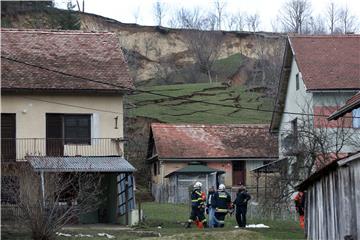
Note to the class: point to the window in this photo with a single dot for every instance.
(10, 189)
(77, 129)
(356, 118)
(294, 129)
(297, 81)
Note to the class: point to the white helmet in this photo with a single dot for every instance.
(198, 185)
(221, 187)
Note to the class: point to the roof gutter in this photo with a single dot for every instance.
(342, 111)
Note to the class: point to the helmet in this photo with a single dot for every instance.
(221, 187)
(198, 185)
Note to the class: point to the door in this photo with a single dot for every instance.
(8, 137)
(239, 173)
(54, 135)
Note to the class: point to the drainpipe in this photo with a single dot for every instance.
(42, 187)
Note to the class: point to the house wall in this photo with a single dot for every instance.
(250, 176)
(333, 204)
(225, 166)
(312, 102)
(296, 101)
(31, 118)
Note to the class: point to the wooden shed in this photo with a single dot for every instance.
(332, 204)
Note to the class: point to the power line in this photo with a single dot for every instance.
(71, 105)
(165, 95)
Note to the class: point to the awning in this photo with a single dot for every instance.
(80, 164)
(273, 166)
(195, 168)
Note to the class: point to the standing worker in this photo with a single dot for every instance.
(222, 203)
(240, 202)
(197, 206)
(209, 209)
(300, 206)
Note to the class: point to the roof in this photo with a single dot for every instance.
(81, 164)
(328, 62)
(195, 168)
(196, 141)
(327, 169)
(351, 104)
(49, 60)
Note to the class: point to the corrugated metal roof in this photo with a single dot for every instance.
(81, 164)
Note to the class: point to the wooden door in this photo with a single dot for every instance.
(54, 135)
(239, 173)
(8, 137)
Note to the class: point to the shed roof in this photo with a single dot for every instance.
(325, 170)
(351, 104)
(195, 168)
(50, 60)
(81, 164)
(328, 62)
(196, 141)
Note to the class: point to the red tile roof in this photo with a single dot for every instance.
(328, 62)
(95, 56)
(214, 141)
(351, 104)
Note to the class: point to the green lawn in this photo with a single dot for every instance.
(179, 109)
(167, 221)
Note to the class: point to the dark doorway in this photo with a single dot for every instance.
(8, 137)
(239, 173)
(54, 135)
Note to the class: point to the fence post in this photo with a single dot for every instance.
(139, 209)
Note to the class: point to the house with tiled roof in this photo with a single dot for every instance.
(228, 152)
(318, 75)
(62, 111)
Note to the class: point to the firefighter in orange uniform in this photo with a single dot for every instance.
(300, 207)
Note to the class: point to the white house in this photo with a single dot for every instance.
(319, 74)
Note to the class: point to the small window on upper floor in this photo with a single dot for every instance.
(356, 118)
(297, 81)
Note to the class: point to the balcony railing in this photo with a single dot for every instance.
(20, 148)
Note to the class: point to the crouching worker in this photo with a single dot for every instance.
(222, 203)
(198, 200)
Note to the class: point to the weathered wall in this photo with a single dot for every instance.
(333, 204)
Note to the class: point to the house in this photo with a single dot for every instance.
(227, 152)
(333, 192)
(62, 111)
(332, 200)
(318, 75)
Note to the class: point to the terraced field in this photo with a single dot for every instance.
(180, 104)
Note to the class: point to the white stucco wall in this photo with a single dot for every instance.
(31, 118)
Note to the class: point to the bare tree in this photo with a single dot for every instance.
(294, 14)
(136, 14)
(253, 22)
(347, 20)
(315, 26)
(68, 195)
(159, 12)
(219, 8)
(332, 17)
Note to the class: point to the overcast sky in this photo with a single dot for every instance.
(124, 10)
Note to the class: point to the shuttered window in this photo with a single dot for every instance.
(356, 118)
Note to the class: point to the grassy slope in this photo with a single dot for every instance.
(179, 111)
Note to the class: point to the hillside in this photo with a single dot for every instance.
(181, 108)
(158, 55)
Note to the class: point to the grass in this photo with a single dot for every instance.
(180, 109)
(167, 221)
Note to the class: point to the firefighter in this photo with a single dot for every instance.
(222, 204)
(198, 200)
(240, 202)
(300, 207)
